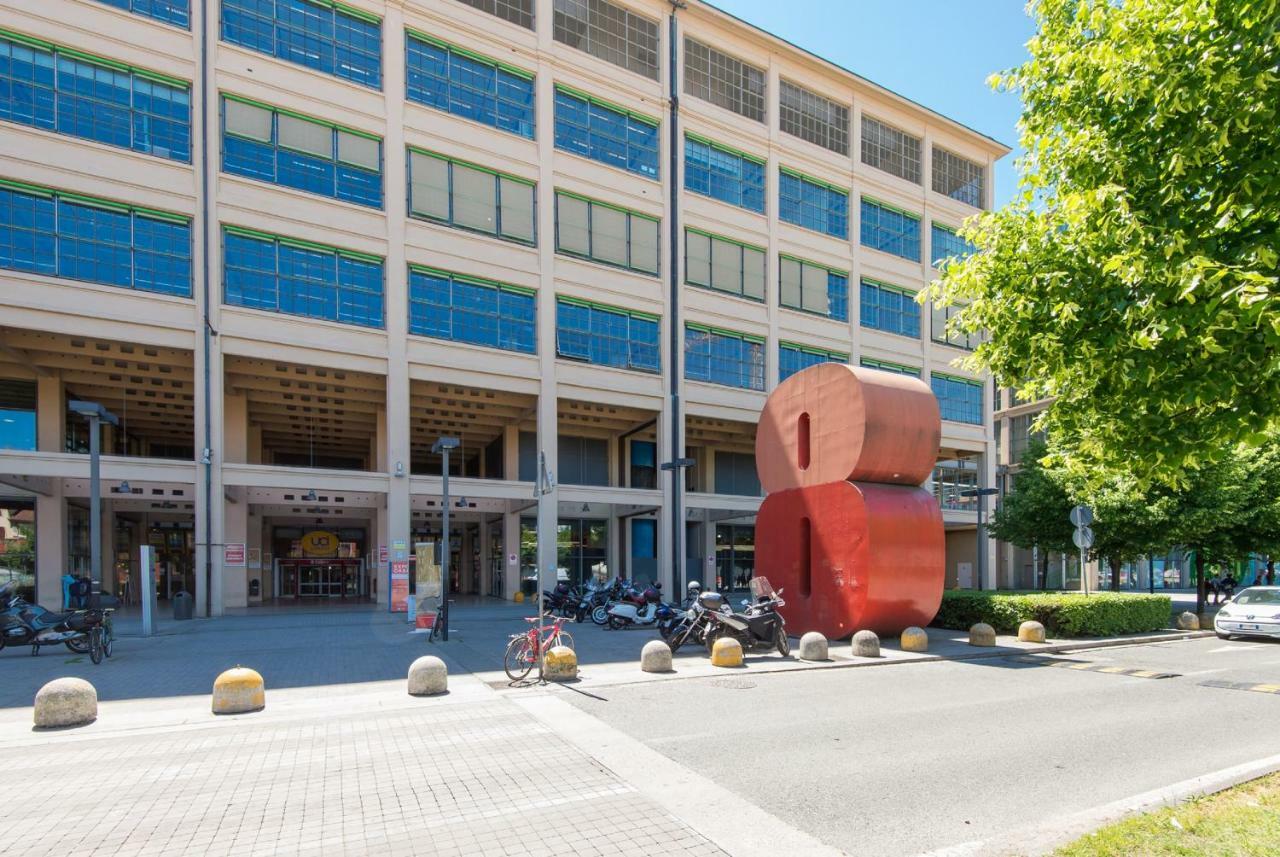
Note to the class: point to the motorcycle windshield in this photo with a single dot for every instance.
(761, 588)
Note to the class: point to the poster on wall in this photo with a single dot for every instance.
(400, 586)
(427, 577)
(233, 553)
(253, 556)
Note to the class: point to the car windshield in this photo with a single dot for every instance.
(1259, 596)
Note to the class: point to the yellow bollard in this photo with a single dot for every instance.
(915, 640)
(238, 691)
(982, 634)
(519, 598)
(1031, 632)
(726, 652)
(560, 664)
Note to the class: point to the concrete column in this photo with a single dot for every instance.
(51, 415)
(483, 534)
(397, 284)
(382, 531)
(235, 422)
(253, 445)
(548, 428)
(51, 545)
(235, 581)
(511, 452)
(253, 541)
(511, 544)
(107, 534)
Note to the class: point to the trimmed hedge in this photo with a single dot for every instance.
(1063, 614)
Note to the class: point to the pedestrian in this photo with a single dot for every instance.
(1211, 587)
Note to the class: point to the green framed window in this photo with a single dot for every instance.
(469, 196)
(714, 262)
(810, 287)
(793, 357)
(606, 233)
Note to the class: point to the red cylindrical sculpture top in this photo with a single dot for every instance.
(834, 422)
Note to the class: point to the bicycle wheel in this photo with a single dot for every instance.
(108, 636)
(519, 658)
(95, 644)
(435, 630)
(564, 639)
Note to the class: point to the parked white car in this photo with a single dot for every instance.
(1253, 612)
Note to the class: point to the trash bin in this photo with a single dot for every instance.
(529, 586)
(183, 605)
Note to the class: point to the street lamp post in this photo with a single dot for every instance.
(95, 414)
(677, 528)
(981, 494)
(441, 447)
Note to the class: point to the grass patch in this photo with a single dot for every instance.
(1240, 822)
(1063, 614)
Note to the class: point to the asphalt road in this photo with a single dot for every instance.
(907, 759)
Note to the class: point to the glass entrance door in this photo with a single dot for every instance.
(735, 557)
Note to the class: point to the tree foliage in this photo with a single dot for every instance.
(1036, 512)
(1134, 277)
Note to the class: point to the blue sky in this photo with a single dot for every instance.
(935, 52)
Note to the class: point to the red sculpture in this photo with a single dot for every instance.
(845, 528)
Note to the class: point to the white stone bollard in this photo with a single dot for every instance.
(239, 691)
(1031, 632)
(66, 702)
(655, 657)
(1188, 621)
(428, 676)
(982, 634)
(866, 645)
(813, 647)
(915, 639)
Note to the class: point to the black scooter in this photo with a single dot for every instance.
(759, 627)
(81, 631)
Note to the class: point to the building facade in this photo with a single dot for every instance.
(292, 243)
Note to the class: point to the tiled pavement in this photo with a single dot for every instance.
(474, 778)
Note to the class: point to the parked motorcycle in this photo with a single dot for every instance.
(618, 591)
(594, 594)
(691, 624)
(758, 627)
(81, 631)
(561, 601)
(646, 609)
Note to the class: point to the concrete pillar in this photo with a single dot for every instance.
(107, 536)
(261, 572)
(51, 546)
(613, 553)
(380, 570)
(548, 430)
(397, 283)
(511, 452)
(235, 581)
(511, 544)
(235, 422)
(51, 415)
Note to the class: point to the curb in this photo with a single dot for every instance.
(1043, 839)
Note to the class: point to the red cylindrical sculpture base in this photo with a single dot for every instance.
(853, 556)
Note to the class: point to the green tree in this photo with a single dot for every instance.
(1036, 512)
(1129, 523)
(1134, 277)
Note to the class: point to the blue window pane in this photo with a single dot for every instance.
(606, 337)
(316, 35)
(723, 359)
(476, 313)
(94, 244)
(723, 175)
(837, 296)
(792, 360)
(315, 282)
(958, 400)
(609, 136)
(162, 256)
(889, 310)
(945, 243)
(468, 87)
(573, 331)
(28, 238)
(176, 12)
(82, 99)
(305, 171)
(891, 231)
(813, 206)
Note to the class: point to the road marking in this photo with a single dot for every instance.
(1086, 666)
(1244, 648)
(1242, 685)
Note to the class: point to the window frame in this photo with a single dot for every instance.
(479, 282)
(827, 356)
(900, 235)
(498, 175)
(276, 146)
(969, 384)
(453, 51)
(935, 227)
(903, 291)
(844, 317)
(890, 366)
(57, 54)
(130, 6)
(756, 381)
(498, 5)
(589, 255)
(945, 169)
(278, 241)
(710, 93)
(819, 184)
(630, 342)
(742, 246)
(336, 9)
(830, 132)
(595, 40)
(939, 335)
(885, 151)
(621, 113)
(743, 187)
(53, 266)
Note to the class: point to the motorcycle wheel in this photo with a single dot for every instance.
(600, 615)
(79, 645)
(580, 616)
(95, 645)
(710, 640)
(782, 641)
(617, 623)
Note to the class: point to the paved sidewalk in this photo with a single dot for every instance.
(475, 777)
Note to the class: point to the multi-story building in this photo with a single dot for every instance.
(292, 243)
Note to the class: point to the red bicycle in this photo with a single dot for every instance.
(525, 650)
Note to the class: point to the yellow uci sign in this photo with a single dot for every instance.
(319, 543)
